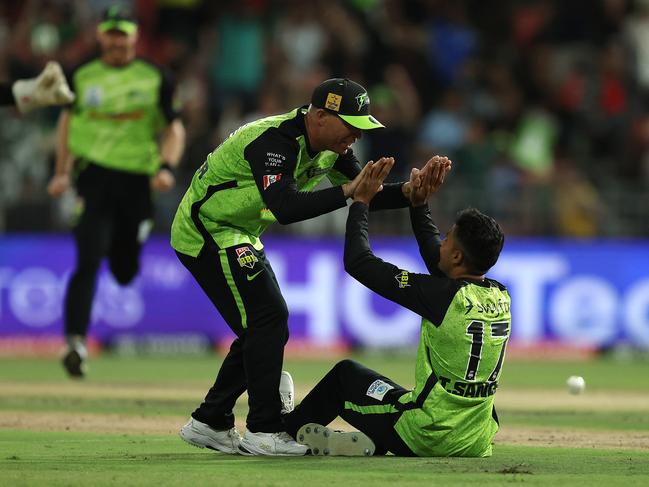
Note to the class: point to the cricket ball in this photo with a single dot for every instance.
(576, 384)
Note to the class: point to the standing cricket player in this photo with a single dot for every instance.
(110, 134)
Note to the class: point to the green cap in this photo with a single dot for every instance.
(118, 18)
(348, 100)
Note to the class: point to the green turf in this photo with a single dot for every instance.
(34, 458)
(145, 407)
(603, 374)
(74, 458)
(196, 371)
(598, 420)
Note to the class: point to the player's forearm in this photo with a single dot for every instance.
(382, 277)
(392, 196)
(357, 247)
(290, 206)
(63, 156)
(172, 145)
(423, 227)
(428, 237)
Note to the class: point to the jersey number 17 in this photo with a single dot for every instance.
(476, 330)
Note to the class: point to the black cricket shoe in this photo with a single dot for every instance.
(74, 364)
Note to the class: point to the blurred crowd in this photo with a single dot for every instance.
(542, 104)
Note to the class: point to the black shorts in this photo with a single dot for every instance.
(122, 195)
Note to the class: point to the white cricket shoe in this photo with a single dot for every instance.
(271, 444)
(204, 436)
(286, 392)
(325, 441)
(48, 88)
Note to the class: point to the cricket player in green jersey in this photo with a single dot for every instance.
(266, 171)
(464, 331)
(110, 134)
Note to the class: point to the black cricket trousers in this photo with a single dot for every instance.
(242, 286)
(116, 219)
(362, 397)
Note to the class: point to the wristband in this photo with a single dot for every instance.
(168, 167)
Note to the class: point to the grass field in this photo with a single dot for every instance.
(119, 426)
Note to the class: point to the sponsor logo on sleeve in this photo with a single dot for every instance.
(378, 389)
(245, 257)
(270, 179)
(273, 159)
(402, 279)
(333, 102)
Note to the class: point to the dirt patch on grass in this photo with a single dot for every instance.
(572, 438)
(87, 390)
(561, 400)
(518, 399)
(87, 422)
(169, 425)
(103, 423)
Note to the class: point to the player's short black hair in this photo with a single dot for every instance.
(480, 238)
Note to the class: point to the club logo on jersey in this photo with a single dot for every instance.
(378, 389)
(93, 96)
(136, 96)
(402, 279)
(314, 172)
(245, 257)
(362, 99)
(333, 102)
(270, 179)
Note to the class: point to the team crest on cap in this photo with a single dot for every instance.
(362, 99)
(333, 102)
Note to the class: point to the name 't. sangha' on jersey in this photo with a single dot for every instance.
(464, 332)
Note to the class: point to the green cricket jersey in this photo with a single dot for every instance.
(464, 331)
(118, 114)
(263, 172)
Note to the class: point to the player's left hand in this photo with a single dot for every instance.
(58, 185)
(163, 181)
(372, 181)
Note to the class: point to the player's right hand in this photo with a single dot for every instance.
(372, 179)
(58, 185)
(163, 181)
(350, 187)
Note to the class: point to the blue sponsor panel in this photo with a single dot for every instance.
(594, 293)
